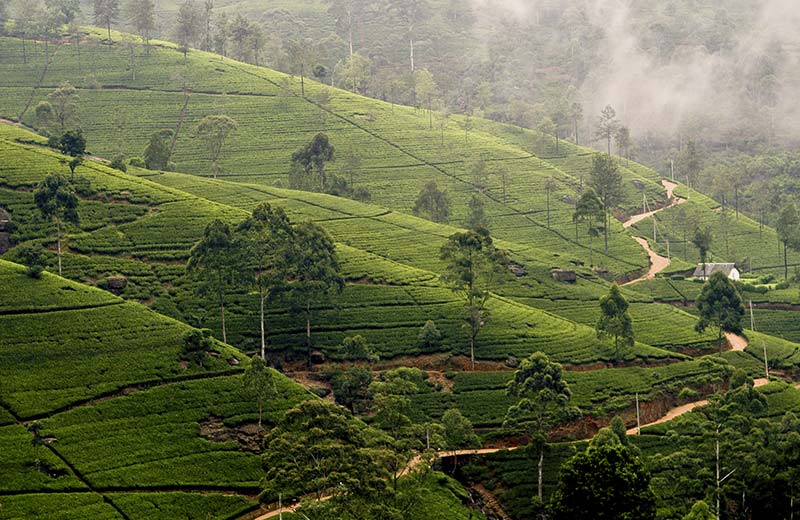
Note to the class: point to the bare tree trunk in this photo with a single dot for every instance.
(263, 335)
(472, 350)
(411, 41)
(541, 465)
(58, 240)
(308, 331)
(222, 312)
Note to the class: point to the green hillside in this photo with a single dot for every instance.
(392, 141)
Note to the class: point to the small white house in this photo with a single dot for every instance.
(729, 270)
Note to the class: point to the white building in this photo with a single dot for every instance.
(729, 270)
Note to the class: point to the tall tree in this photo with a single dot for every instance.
(263, 240)
(424, 91)
(788, 228)
(702, 241)
(308, 165)
(73, 143)
(623, 140)
(259, 381)
(159, 150)
(606, 180)
(56, 200)
(576, 113)
(476, 216)
(208, 16)
(188, 26)
(474, 268)
(213, 130)
(222, 33)
(314, 272)
(615, 320)
(142, 16)
(106, 13)
(589, 209)
(720, 307)
(605, 482)
(196, 346)
(319, 448)
(549, 186)
(409, 15)
(348, 15)
(60, 112)
(607, 125)
(213, 259)
(355, 73)
(432, 203)
(544, 397)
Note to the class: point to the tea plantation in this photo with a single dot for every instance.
(102, 417)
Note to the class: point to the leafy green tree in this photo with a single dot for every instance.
(159, 150)
(351, 388)
(197, 343)
(424, 91)
(432, 203)
(263, 241)
(615, 320)
(214, 260)
(33, 257)
(702, 241)
(478, 173)
(106, 13)
(700, 511)
(308, 165)
(623, 140)
(187, 26)
(142, 16)
(589, 209)
(214, 130)
(549, 186)
(355, 73)
(476, 216)
(788, 228)
(576, 113)
(59, 112)
(607, 125)
(55, 197)
(314, 272)
(544, 397)
(430, 337)
(350, 164)
(259, 381)
(606, 180)
(691, 162)
(604, 482)
(319, 448)
(73, 143)
(720, 307)
(474, 268)
(458, 433)
(355, 348)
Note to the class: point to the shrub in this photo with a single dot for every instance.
(196, 345)
(688, 394)
(357, 348)
(118, 163)
(137, 162)
(33, 257)
(430, 337)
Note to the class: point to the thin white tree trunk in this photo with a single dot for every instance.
(263, 335)
(541, 465)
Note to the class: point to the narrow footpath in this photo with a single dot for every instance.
(657, 262)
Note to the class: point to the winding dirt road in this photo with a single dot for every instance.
(657, 262)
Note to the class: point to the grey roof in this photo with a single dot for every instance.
(713, 268)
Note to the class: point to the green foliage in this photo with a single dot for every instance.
(33, 257)
(214, 130)
(615, 320)
(475, 267)
(720, 307)
(605, 481)
(196, 346)
(458, 432)
(308, 165)
(476, 216)
(430, 337)
(432, 203)
(700, 511)
(259, 381)
(356, 348)
(351, 388)
(159, 150)
(319, 448)
(606, 180)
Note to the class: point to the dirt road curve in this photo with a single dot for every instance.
(657, 262)
(737, 343)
